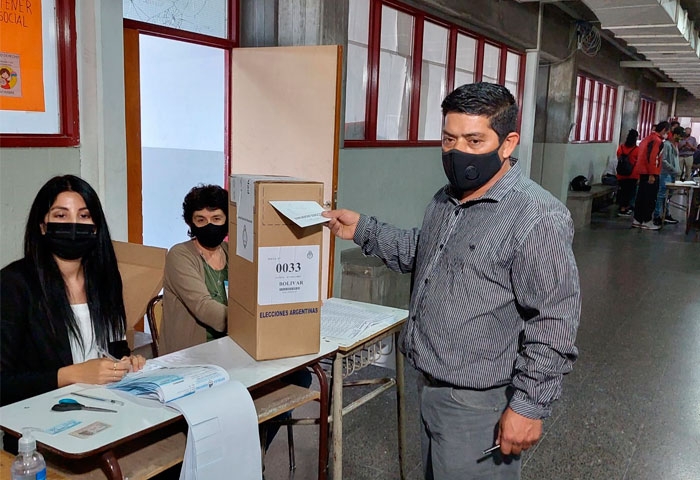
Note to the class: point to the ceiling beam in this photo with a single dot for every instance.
(636, 64)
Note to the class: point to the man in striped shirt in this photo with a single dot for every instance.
(495, 303)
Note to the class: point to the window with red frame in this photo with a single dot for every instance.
(595, 110)
(402, 62)
(647, 114)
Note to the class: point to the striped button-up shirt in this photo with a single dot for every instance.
(496, 297)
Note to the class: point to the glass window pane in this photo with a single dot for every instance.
(492, 59)
(584, 116)
(395, 59)
(595, 111)
(356, 83)
(466, 58)
(577, 108)
(433, 86)
(611, 114)
(512, 72)
(208, 17)
(182, 131)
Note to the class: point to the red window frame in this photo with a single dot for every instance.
(227, 44)
(69, 136)
(647, 116)
(373, 51)
(597, 125)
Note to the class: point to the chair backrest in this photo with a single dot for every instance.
(154, 314)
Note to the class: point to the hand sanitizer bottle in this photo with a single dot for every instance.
(29, 464)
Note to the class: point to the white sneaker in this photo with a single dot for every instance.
(649, 225)
(636, 223)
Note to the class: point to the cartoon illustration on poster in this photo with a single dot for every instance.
(10, 78)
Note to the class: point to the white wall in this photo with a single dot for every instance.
(565, 161)
(101, 157)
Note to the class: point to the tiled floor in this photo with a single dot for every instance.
(631, 408)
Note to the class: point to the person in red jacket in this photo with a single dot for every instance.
(627, 183)
(648, 167)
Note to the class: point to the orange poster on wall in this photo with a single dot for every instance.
(21, 56)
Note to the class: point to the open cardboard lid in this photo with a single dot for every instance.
(142, 270)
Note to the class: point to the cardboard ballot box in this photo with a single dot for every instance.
(274, 304)
(142, 270)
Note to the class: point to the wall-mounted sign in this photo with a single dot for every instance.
(21, 56)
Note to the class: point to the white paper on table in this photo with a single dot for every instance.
(347, 324)
(302, 212)
(223, 434)
(288, 274)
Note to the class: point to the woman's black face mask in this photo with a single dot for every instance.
(210, 235)
(70, 241)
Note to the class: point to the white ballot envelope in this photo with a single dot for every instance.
(302, 212)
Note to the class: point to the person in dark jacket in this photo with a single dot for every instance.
(62, 305)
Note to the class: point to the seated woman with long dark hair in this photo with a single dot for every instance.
(62, 303)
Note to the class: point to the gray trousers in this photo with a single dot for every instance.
(457, 426)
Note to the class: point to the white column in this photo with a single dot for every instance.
(101, 83)
(527, 124)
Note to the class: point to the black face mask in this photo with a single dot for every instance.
(70, 241)
(210, 235)
(468, 171)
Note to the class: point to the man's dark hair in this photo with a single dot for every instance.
(675, 124)
(488, 100)
(661, 126)
(680, 131)
(632, 136)
(209, 197)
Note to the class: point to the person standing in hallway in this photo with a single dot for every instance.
(669, 170)
(648, 168)
(687, 147)
(496, 302)
(627, 184)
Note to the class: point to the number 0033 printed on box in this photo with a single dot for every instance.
(288, 274)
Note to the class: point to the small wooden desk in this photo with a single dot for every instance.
(141, 417)
(352, 358)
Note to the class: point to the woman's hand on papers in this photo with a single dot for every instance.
(342, 222)
(99, 371)
(137, 362)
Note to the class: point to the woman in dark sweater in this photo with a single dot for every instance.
(62, 305)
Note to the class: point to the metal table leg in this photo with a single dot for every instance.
(110, 466)
(337, 416)
(400, 407)
(323, 422)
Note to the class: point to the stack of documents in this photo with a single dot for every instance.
(168, 383)
(685, 182)
(346, 324)
(223, 424)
